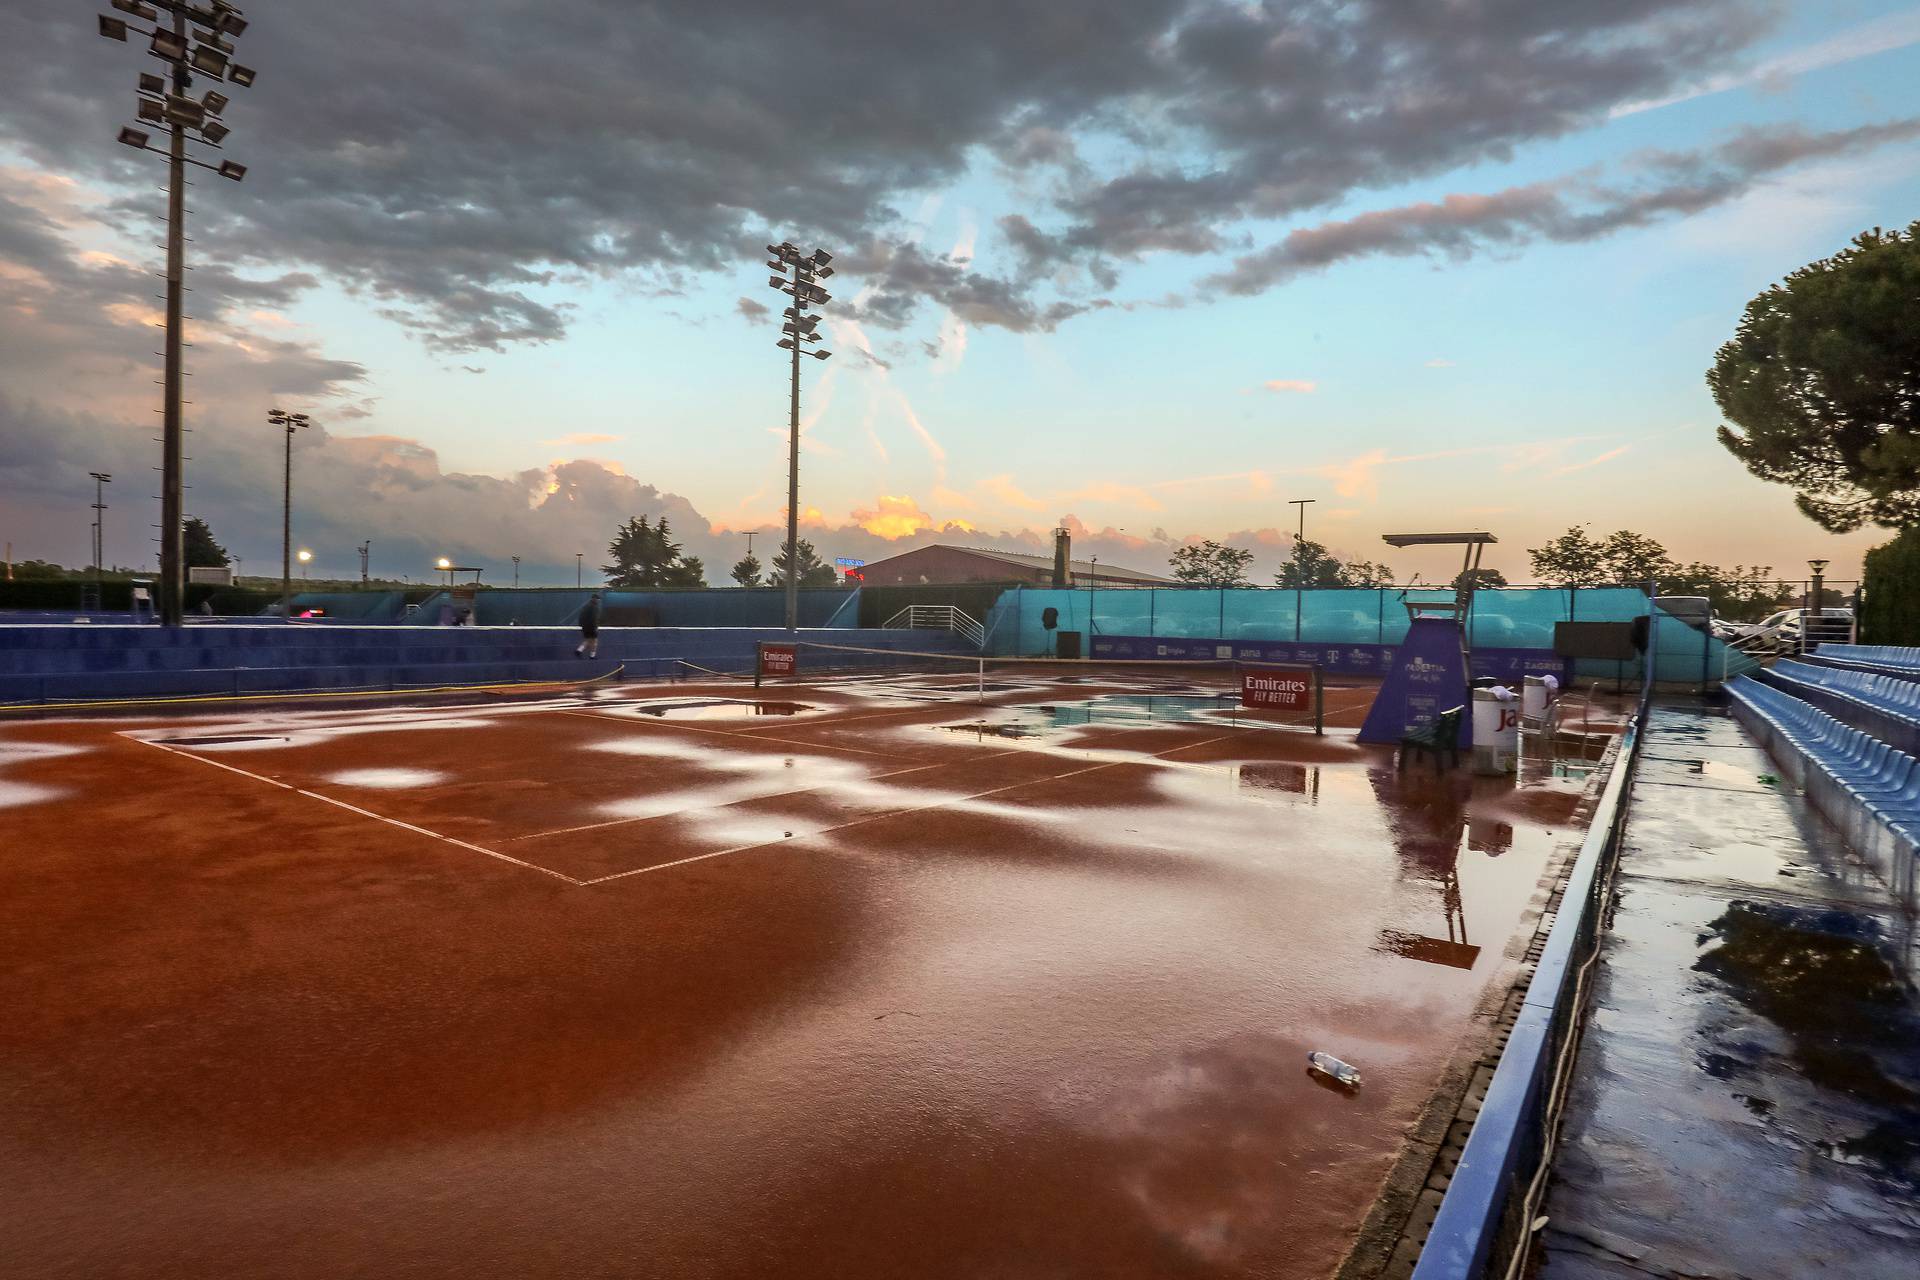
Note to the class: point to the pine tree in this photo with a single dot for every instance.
(645, 558)
(202, 551)
(814, 572)
(747, 571)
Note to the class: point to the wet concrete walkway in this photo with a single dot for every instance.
(1747, 1099)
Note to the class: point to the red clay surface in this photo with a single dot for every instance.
(564, 988)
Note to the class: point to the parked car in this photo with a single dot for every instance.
(1822, 626)
(1762, 635)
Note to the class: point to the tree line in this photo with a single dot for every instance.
(1574, 559)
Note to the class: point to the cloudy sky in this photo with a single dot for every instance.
(1148, 267)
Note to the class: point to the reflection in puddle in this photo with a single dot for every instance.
(1120, 710)
(14, 794)
(1715, 771)
(226, 740)
(715, 709)
(387, 779)
(1287, 783)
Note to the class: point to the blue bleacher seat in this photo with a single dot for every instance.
(1868, 788)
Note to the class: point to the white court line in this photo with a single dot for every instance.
(771, 795)
(367, 813)
(896, 813)
(661, 722)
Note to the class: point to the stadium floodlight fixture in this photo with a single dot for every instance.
(785, 344)
(228, 169)
(150, 83)
(144, 12)
(443, 563)
(169, 46)
(242, 76)
(133, 137)
(820, 353)
(776, 282)
(208, 59)
(822, 273)
(113, 28)
(152, 112)
(305, 555)
(229, 19)
(185, 111)
(215, 102)
(822, 257)
(213, 131)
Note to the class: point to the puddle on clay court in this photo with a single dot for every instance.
(223, 741)
(387, 779)
(718, 709)
(1052, 720)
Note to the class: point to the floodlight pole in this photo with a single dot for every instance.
(793, 490)
(165, 99)
(290, 423)
(799, 277)
(172, 602)
(100, 480)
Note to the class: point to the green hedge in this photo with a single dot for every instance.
(60, 594)
(1890, 592)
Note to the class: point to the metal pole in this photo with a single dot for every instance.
(1299, 547)
(577, 570)
(286, 531)
(1093, 581)
(171, 604)
(793, 472)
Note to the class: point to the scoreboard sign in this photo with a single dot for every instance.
(778, 659)
(1276, 690)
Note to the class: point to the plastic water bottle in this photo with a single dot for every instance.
(1334, 1069)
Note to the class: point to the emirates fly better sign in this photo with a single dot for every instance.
(1276, 690)
(778, 659)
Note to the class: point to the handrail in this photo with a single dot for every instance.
(939, 617)
(1511, 1141)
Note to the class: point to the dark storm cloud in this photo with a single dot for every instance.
(1563, 211)
(466, 164)
(72, 324)
(899, 277)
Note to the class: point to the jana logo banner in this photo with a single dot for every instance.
(1508, 665)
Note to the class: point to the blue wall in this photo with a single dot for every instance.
(500, 607)
(43, 663)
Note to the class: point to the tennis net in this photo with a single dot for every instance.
(1292, 691)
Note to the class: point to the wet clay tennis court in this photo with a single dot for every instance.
(870, 978)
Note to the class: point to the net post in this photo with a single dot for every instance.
(759, 661)
(1319, 703)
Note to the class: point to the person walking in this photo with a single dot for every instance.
(589, 627)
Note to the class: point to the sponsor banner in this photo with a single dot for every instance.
(1276, 690)
(779, 659)
(1508, 666)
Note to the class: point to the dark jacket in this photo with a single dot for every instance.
(590, 618)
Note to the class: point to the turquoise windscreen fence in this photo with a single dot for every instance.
(1521, 618)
